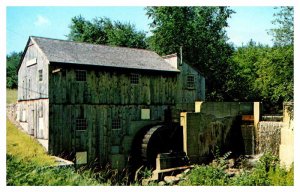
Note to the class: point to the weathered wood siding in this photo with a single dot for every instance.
(33, 101)
(190, 95)
(34, 117)
(113, 88)
(186, 96)
(29, 86)
(99, 139)
(102, 98)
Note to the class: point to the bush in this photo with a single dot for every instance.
(206, 175)
(266, 172)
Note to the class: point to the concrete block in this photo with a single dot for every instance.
(198, 106)
(286, 155)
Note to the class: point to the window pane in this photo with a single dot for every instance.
(116, 124)
(81, 124)
(41, 75)
(190, 81)
(134, 78)
(80, 75)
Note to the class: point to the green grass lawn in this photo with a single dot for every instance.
(11, 95)
(28, 164)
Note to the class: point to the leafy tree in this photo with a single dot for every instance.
(200, 31)
(265, 73)
(104, 31)
(262, 73)
(275, 75)
(12, 62)
(283, 34)
(244, 72)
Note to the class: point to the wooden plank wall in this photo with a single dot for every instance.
(29, 86)
(112, 88)
(107, 95)
(37, 116)
(99, 137)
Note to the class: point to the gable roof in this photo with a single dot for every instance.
(62, 51)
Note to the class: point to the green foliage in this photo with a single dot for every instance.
(266, 172)
(20, 172)
(200, 31)
(28, 164)
(12, 62)
(206, 175)
(104, 31)
(22, 147)
(275, 79)
(262, 73)
(283, 34)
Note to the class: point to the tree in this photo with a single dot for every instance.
(262, 73)
(275, 71)
(200, 31)
(243, 67)
(12, 63)
(283, 34)
(104, 31)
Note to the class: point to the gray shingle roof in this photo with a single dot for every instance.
(100, 55)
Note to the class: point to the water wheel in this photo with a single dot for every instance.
(160, 139)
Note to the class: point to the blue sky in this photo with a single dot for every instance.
(247, 23)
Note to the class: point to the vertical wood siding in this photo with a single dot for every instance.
(29, 86)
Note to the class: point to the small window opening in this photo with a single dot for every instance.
(41, 111)
(81, 124)
(134, 78)
(80, 75)
(190, 81)
(116, 124)
(40, 75)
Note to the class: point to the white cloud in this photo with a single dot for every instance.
(40, 21)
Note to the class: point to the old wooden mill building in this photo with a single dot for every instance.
(96, 103)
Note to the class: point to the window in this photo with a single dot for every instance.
(40, 111)
(134, 78)
(145, 114)
(116, 124)
(80, 75)
(40, 75)
(190, 83)
(81, 124)
(23, 117)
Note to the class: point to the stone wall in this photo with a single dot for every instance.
(11, 112)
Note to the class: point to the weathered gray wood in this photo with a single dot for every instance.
(104, 96)
(29, 86)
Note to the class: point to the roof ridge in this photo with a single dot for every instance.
(78, 42)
